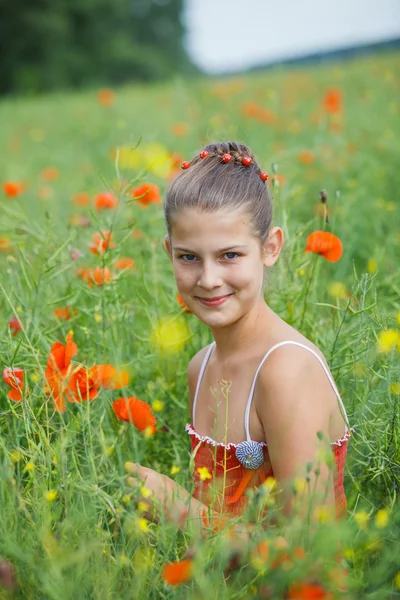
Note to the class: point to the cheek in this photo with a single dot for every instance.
(184, 277)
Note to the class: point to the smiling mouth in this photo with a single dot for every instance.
(213, 299)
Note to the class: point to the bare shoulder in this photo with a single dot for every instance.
(292, 367)
(193, 372)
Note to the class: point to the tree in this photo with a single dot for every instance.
(50, 44)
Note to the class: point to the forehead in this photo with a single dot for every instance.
(194, 225)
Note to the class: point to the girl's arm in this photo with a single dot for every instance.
(294, 405)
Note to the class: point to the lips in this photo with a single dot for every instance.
(213, 299)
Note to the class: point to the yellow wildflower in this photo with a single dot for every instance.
(361, 518)
(16, 455)
(148, 432)
(51, 495)
(373, 545)
(143, 507)
(397, 580)
(29, 466)
(372, 265)
(300, 485)
(349, 553)
(157, 405)
(395, 388)
(337, 289)
(269, 484)
(143, 559)
(153, 157)
(382, 518)
(388, 339)
(143, 524)
(323, 514)
(126, 499)
(204, 473)
(174, 470)
(170, 335)
(35, 377)
(145, 492)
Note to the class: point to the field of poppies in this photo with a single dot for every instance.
(95, 342)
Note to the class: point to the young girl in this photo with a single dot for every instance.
(261, 394)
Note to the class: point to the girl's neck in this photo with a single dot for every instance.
(250, 330)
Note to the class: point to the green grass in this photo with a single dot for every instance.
(86, 543)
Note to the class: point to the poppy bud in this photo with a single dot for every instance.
(323, 196)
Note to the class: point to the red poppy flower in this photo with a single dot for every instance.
(64, 314)
(105, 97)
(14, 325)
(264, 115)
(176, 160)
(333, 101)
(14, 377)
(99, 276)
(45, 192)
(124, 263)
(135, 411)
(280, 179)
(12, 189)
(306, 157)
(180, 129)
(308, 591)
(81, 385)
(75, 253)
(102, 241)
(178, 572)
(58, 370)
(326, 244)
(147, 193)
(81, 199)
(5, 245)
(105, 201)
(50, 174)
(108, 377)
(183, 305)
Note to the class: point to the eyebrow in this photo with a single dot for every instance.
(222, 249)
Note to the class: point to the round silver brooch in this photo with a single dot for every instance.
(250, 454)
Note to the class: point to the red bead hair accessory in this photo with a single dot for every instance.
(246, 161)
(185, 164)
(204, 153)
(226, 158)
(263, 176)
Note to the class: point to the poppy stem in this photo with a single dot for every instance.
(310, 280)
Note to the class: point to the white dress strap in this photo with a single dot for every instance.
(202, 369)
(248, 406)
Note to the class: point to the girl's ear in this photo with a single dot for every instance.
(272, 246)
(167, 246)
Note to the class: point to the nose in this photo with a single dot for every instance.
(210, 277)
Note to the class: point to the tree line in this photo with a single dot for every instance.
(57, 44)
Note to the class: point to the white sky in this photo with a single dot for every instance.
(228, 35)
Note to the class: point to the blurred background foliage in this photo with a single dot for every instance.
(47, 45)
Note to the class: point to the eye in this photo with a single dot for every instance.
(231, 255)
(187, 257)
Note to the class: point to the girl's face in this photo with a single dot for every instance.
(218, 263)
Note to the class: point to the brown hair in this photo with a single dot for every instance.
(211, 184)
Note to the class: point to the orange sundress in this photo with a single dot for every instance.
(232, 477)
